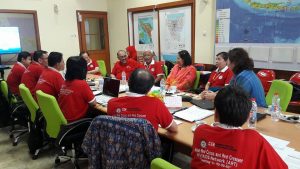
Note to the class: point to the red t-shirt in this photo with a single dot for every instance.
(219, 148)
(92, 66)
(145, 107)
(50, 82)
(32, 75)
(74, 99)
(155, 68)
(128, 68)
(220, 78)
(14, 77)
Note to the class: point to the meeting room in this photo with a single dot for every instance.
(158, 84)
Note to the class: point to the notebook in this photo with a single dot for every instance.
(193, 114)
(110, 90)
(204, 104)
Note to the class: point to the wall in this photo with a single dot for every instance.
(118, 26)
(58, 32)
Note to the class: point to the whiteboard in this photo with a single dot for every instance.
(175, 32)
(298, 55)
(145, 28)
(269, 56)
(259, 53)
(282, 54)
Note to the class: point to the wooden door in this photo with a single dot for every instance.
(93, 35)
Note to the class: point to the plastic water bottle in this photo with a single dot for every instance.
(123, 78)
(162, 86)
(275, 109)
(252, 119)
(101, 82)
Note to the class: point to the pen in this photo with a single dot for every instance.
(179, 110)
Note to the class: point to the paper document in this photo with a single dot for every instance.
(276, 142)
(205, 72)
(193, 113)
(123, 88)
(173, 101)
(96, 92)
(178, 122)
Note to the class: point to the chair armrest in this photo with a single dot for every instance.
(74, 130)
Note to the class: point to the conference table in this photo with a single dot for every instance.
(183, 139)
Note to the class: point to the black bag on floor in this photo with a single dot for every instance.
(36, 136)
(4, 114)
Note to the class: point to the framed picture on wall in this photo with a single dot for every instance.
(145, 31)
(175, 32)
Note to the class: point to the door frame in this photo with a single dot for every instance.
(79, 20)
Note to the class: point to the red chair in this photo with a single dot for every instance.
(266, 77)
(295, 78)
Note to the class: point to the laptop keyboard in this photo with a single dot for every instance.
(103, 99)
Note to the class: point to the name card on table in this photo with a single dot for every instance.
(173, 101)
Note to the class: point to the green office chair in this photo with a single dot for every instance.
(166, 70)
(9, 98)
(35, 141)
(102, 67)
(29, 101)
(159, 163)
(66, 135)
(284, 89)
(197, 80)
(18, 114)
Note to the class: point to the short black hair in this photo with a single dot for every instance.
(140, 81)
(233, 106)
(224, 55)
(23, 55)
(186, 57)
(54, 58)
(76, 68)
(83, 52)
(38, 54)
(241, 60)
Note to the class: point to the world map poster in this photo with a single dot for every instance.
(258, 21)
(145, 28)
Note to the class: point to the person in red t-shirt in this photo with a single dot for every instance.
(15, 75)
(51, 79)
(35, 69)
(124, 64)
(137, 105)
(131, 52)
(155, 68)
(218, 78)
(92, 66)
(75, 95)
(225, 144)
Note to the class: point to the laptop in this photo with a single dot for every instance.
(110, 90)
(204, 104)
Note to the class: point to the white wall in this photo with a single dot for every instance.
(58, 32)
(118, 26)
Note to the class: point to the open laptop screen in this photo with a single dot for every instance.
(111, 87)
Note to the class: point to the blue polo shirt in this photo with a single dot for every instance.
(248, 80)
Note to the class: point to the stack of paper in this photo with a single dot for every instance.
(193, 113)
(173, 101)
(288, 155)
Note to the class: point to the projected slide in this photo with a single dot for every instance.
(10, 40)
